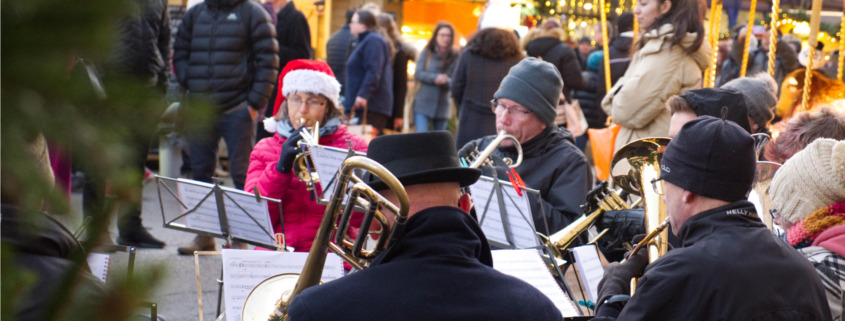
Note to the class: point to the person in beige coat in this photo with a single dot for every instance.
(670, 60)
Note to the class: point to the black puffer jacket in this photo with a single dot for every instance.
(227, 50)
(143, 50)
(559, 54)
(553, 165)
(590, 101)
(729, 267)
(619, 50)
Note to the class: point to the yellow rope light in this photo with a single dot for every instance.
(811, 42)
(636, 24)
(773, 37)
(605, 49)
(748, 34)
(715, 45)
(841, 45)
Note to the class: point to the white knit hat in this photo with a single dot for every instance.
(811, 179)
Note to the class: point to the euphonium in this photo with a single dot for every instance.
(260, 305)
(482, 158)
(303, 164)
(639, 162)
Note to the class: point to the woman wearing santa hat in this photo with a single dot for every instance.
(307, 90)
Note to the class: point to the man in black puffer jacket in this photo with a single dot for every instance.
(226, 50)
(525, 108)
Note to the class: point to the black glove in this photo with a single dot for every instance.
(467, 150)
(617, 276)
(622, 225)
(290, 149)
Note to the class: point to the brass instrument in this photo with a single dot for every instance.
(303, 164)
(482, 158)
(335, 220)
(762, 180)
(760, 142)
(634, 168)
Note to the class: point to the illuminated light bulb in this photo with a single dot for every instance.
(406, 29)
(588, 6)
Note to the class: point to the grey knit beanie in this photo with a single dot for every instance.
(534, 84)
(758, 98)
(811, 179)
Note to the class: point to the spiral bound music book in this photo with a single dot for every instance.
(99, 264)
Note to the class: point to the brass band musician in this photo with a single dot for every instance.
(729, 267)
(525, 107)
(439, 265)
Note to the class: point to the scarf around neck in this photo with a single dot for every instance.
(805, 232)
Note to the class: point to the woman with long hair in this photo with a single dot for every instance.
(402, 53)
(670, 56)
(310, 93)
(434, 65)
(480, 68)
(369, 72)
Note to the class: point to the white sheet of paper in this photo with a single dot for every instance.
(528, 266)
(244, 269)
(99, 264)
(239, 205)
(327, 161)
(517, 209)
(589, 264)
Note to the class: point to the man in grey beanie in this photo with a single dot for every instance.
(525, 106)
(758, 99)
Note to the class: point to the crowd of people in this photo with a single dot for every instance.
(257, 60)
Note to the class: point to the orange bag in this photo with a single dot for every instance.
(602, 142)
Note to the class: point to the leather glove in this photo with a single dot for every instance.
(617, 276)
(290, 148)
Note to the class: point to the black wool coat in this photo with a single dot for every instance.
(439, 269)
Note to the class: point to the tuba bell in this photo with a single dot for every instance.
(335, 221)
(636, 168)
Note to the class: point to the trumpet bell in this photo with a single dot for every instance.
(629, 160)
(262, 300)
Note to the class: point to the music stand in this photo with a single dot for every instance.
(326, 161)
(229, 216)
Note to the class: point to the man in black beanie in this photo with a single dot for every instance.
(438, 265)
(525, 107)
(709, 102)
(729, 267)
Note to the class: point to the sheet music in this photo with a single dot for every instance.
(327, 162)
(589, 266)
(517, 209)
(244, 269)
(528, 266)
(99, 264)
(239, 207)
(205, 217)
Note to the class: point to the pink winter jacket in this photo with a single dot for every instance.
(301, 214)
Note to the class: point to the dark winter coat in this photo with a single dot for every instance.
(785, 62)
(474, 82)
(369, 74)
(226, 50)
(337, 51)
(432, 100)
(404, 53)
(619, 51)
(563, 57)
(143, 49)
(293, 35)
(729, 267)
(439, 269)
(590, 100)
(553, 165)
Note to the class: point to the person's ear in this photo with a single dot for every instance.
(687, 197)
(665, 6)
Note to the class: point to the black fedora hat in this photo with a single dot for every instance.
(419, 158)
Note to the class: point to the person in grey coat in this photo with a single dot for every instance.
(478, 72)
(525, 107)
(434, 65)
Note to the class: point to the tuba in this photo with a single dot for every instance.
(335, 221)
(638, 168)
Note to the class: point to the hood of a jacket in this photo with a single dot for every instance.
(623, 44)
(661, 38)
(541, 46)
(222, 4)
(443, 231)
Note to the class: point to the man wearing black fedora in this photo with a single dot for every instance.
(525, 106)
(729, 266)
(439, 265)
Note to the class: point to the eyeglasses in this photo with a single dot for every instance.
(774, 213)
(513, 111)
(657, 185)
(296, 102)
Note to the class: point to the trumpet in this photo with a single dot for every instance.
(482, 158)
(335, 220)
(302, 164)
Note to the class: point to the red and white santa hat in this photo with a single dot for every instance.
(309, 76)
